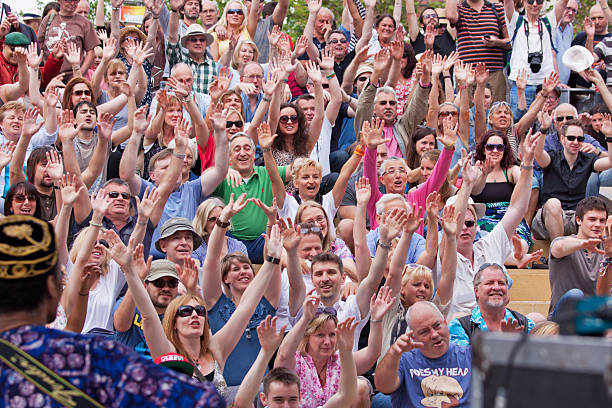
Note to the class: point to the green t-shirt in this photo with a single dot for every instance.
(251, 222)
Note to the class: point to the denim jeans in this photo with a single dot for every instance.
(572, 294)
(255, 248)
(598, 180)
(530, 94)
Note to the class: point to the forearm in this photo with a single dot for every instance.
(100, 17)
(433, 102)
(522, 101)
(362, 252)
(428, 257)
(604, 280)
(449, 267)
(564, 247)
(96, 164)
(115, 24)
(369, 285)
(124, 315)
(286, 352)
(16, 166)
(297, 288)
(62, 226)
(589, 43)
(394, 73)
(211, 178)
(87, 60)
(98, 75)
(358, 23)
(347, 387)
(278, 186)
(50, 116)
(387, 379)
(249, 387)
(367, 356)
(76, 319)
(173, 24)
(211, 280)
(253, 18)
(480, 120)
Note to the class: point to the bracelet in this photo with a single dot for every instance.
(116, 8)
(56, 187)
(385, 246)
(446, 76)
(376, 321)
(222, 224)
(359, 151)
(141, 223)
(93, 224)
(266, 150)
(81, 294)
(527, 167)
(425, 85)
(273, 260)
(178, 155)
(330, 76)
(603, 266)
(462, 86)
(266, 99)
(608, 139)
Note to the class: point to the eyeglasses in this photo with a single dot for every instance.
(307, 230)
(80, 92)
(230, 123)
(285, 119)
(171, 283)
(572, 138)
(362, 78)
(384, 103)
(469, 223)
(116, 194)
(499, 147)
(317, 220)
(254, 76)
(20, 198)
(429, 16)
(334, 41)
(197, 39)
(535, 1)
(562, 118)
(399, 170)
(234, 11)
(137, 39)
(448, 113)
(187, 310)
(103, 243)
(327, 310)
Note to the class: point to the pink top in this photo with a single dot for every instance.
(393, 148)
(416, 197)
(311, 393)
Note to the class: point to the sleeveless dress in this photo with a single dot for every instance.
(496, 197)
(216, 377)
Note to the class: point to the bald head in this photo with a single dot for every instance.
(598, 17)
(423, 309)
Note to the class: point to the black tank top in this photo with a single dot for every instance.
(495, 192)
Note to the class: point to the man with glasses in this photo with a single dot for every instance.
(565, 176)
(195, 40)
(430, 34)
(251, 73)
(491, 286)
(565, 12)
(69, 26)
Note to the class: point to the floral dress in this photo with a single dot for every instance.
(311, 393)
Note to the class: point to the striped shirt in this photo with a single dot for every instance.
(604, 51)
(202, 73)
(472, 26)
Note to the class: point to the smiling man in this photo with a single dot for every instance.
(491, 289)
(177, 240)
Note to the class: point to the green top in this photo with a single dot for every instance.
(251, 222)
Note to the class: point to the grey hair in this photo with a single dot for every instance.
(422, 303)
(380, 204)
(387, 90)
(192, 145)
(383, 166)
(566, 104)
(325, 9)
(449, 104)
(178, 66)
(481, 269)
(496, 105)
(242, 134)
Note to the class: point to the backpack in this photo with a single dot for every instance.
(469, 326)
(519, 23)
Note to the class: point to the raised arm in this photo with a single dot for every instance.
(428, 256)
(34, 61)
(270, 88)
(200, 128)
(253, 18)
(371, 135)
(28, 129)
(333, 106)
(280, 12)
(386, 377)
(127, 166)
(452, 15)
(368, 23)
(211, 177)
(345, 175)
(390, 228)
(604, 277)
(100, 156)
(314, 129)
(449, 261)
(286, 353)
(379, 305)
(470, 174)
(397, 51)
(605, 162)
(594, 76)
(313, 9)
(108, 53)
(115, 19)
(362, 253)
(413, 23)
(70, 190)
(266, 139)
(480, 118)
(11, 92)
(226, 339)
(297, 288)
(529, 118)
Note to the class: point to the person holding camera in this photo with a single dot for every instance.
(532, 48)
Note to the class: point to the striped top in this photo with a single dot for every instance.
(472, 26)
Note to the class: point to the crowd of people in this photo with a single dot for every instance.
(318, 221)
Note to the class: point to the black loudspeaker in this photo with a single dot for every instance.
(516, 370)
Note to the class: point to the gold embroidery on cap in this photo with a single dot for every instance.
(24, 232)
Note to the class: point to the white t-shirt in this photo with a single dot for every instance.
(320, 153)
(291, 205)
(102, 299)
(519, 57)
(495, 247)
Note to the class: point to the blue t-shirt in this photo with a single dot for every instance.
(417, 245)
(439, 382)
(134, 337)
(181, 203)
(244, 354)
(107, 371)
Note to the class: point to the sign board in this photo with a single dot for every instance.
(132, 14)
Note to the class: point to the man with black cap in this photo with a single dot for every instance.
(30, 289)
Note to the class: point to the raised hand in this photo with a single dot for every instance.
(432, 206)
(461, 72)
(119, 252)
(218, 117)
(30, 127)
(51, 96)
(345, 334)
(100, 202)
(327, 59)
(59, 48)
(430, 36)
(511, 326)
(437, 65)
(67, 129)
(607, 237)
(291, 236)
(529, 146)
(301, 45)
(270, 211)
(545, 119)
(221, 32)
(220, 84)
(450, 61)
(188, 274)
(266, 139)
(109, 48)
(34, 59)
(274, 35)
(182, 130)
(233, 207)
(381, 303)
(606, 126)
(449, 133)
(405, 343)
(162, 99)
(181, 90)
(481, 74)
(363, 191)
(382, 60)
(140, 120)
(147, 204)
(521, 79)
(413, 219)
(274, 242)
(143, 51)
(371, 133)
(138, 263)
(551, 82)
(449, 220)
(73, 54)
(312, 69)
(102, 34)
(314, 6)
(591, 245)
(6, 153)
(55, 166)
(274, 79)
(589, 27)
(154, 6)
(391, 225)
(69, 190)
(233, 178)
(269, 337)
(105, 124)
(471, 173)
(311, 303)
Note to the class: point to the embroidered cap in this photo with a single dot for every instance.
(27, 247)
(176, 362)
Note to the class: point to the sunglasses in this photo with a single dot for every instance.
(20, 198)
(171, 283)
(306, 230)
(103, 243)
(327, 310)
(562, 118)
(469, 223)
(285, 119)
(212, 219)
(115, 194)
(325, 86)
(362, 78)
(80, 92)
(449, 113)
(230, 123)
(234, 11)
(384, 103)
(187, 310)
(535, 1)
(429, 16)
(197, 39)
(572, 138)
(491, 147)
(334, 41)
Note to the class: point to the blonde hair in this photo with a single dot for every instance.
(413, 272)
(172, 100)
(236, 54)
(314, 326)
(545, 328)
(11, 106)
(77, 247)
(298, 220)
(169, 324)
(202, 213)
(223, 20)
(301, 163)
(112, 66)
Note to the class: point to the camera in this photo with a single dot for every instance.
(535, 61)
